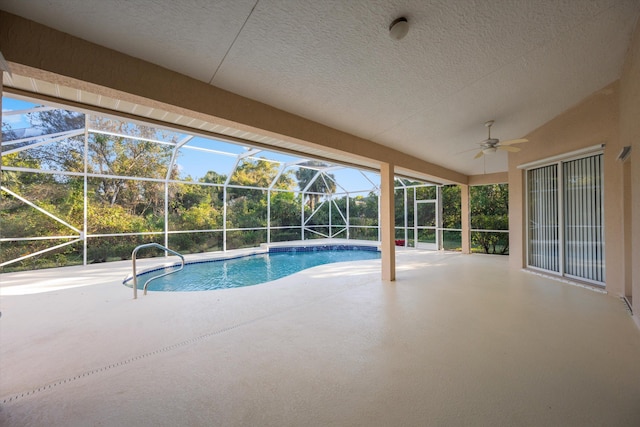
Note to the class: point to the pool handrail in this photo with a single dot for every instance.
(135, 276)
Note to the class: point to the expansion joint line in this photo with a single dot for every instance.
(13, 398)
(53, 385)
(215, 73)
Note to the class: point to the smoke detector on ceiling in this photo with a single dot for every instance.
(399, 28)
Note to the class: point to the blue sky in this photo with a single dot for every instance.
(16, 121)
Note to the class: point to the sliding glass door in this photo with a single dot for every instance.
(565, 218)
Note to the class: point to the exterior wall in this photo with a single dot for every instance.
(594, 121)
(630, 135)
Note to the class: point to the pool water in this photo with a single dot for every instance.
(247, 271)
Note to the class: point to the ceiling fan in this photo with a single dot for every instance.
(491, 145)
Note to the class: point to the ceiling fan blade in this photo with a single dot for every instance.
(507, 148)
(514, 141)
(480, 154)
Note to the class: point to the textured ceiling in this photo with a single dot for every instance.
(520, 62)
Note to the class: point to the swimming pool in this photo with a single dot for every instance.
(253, 269)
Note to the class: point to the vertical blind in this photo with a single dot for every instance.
(584, 239)
(565, 232)
(543, 218)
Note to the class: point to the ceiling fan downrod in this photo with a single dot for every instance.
(488, 124)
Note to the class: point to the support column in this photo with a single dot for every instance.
(387, 222)
(465, 213)
(3, 67)
(1, 89)
(440, 213)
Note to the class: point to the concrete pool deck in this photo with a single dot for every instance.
(456, 340)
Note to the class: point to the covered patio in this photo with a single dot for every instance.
(545, 336)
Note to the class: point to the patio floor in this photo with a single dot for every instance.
(456, 340)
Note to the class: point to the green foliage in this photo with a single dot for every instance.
(363, 233)
(259, 173)
(285, 209)
(451, 207)
(426, 193)
(195, 207)
(490, 211)
(188, 243)
(105, 219)
(202, 217)
(363, 210)
(19, 161)
(57, 120)
(116, 156)
(245, 238)
(67, 255)
(59, 195)
(248, 209)
(113, 248)
(212, 177)
(65, 154)
(338, 211)
(318, 183)
(452, 240)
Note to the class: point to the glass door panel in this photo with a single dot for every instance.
(426, 222)
(584, 237)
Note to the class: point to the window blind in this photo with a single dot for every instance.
(543, 218)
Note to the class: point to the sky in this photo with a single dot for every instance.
(16, 121)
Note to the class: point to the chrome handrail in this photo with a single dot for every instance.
(135, 276)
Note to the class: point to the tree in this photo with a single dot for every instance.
(258, 173)
(58, 194)
(8, 133)
(254, 173)
(321, 183)
(121, 157)
(490, 211)
(213, 177)
(451, 207)
(285, 209)
(63, 154)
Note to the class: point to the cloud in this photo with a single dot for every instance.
(14, 119)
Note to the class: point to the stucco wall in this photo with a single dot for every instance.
(630, 135)
(594, 121)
